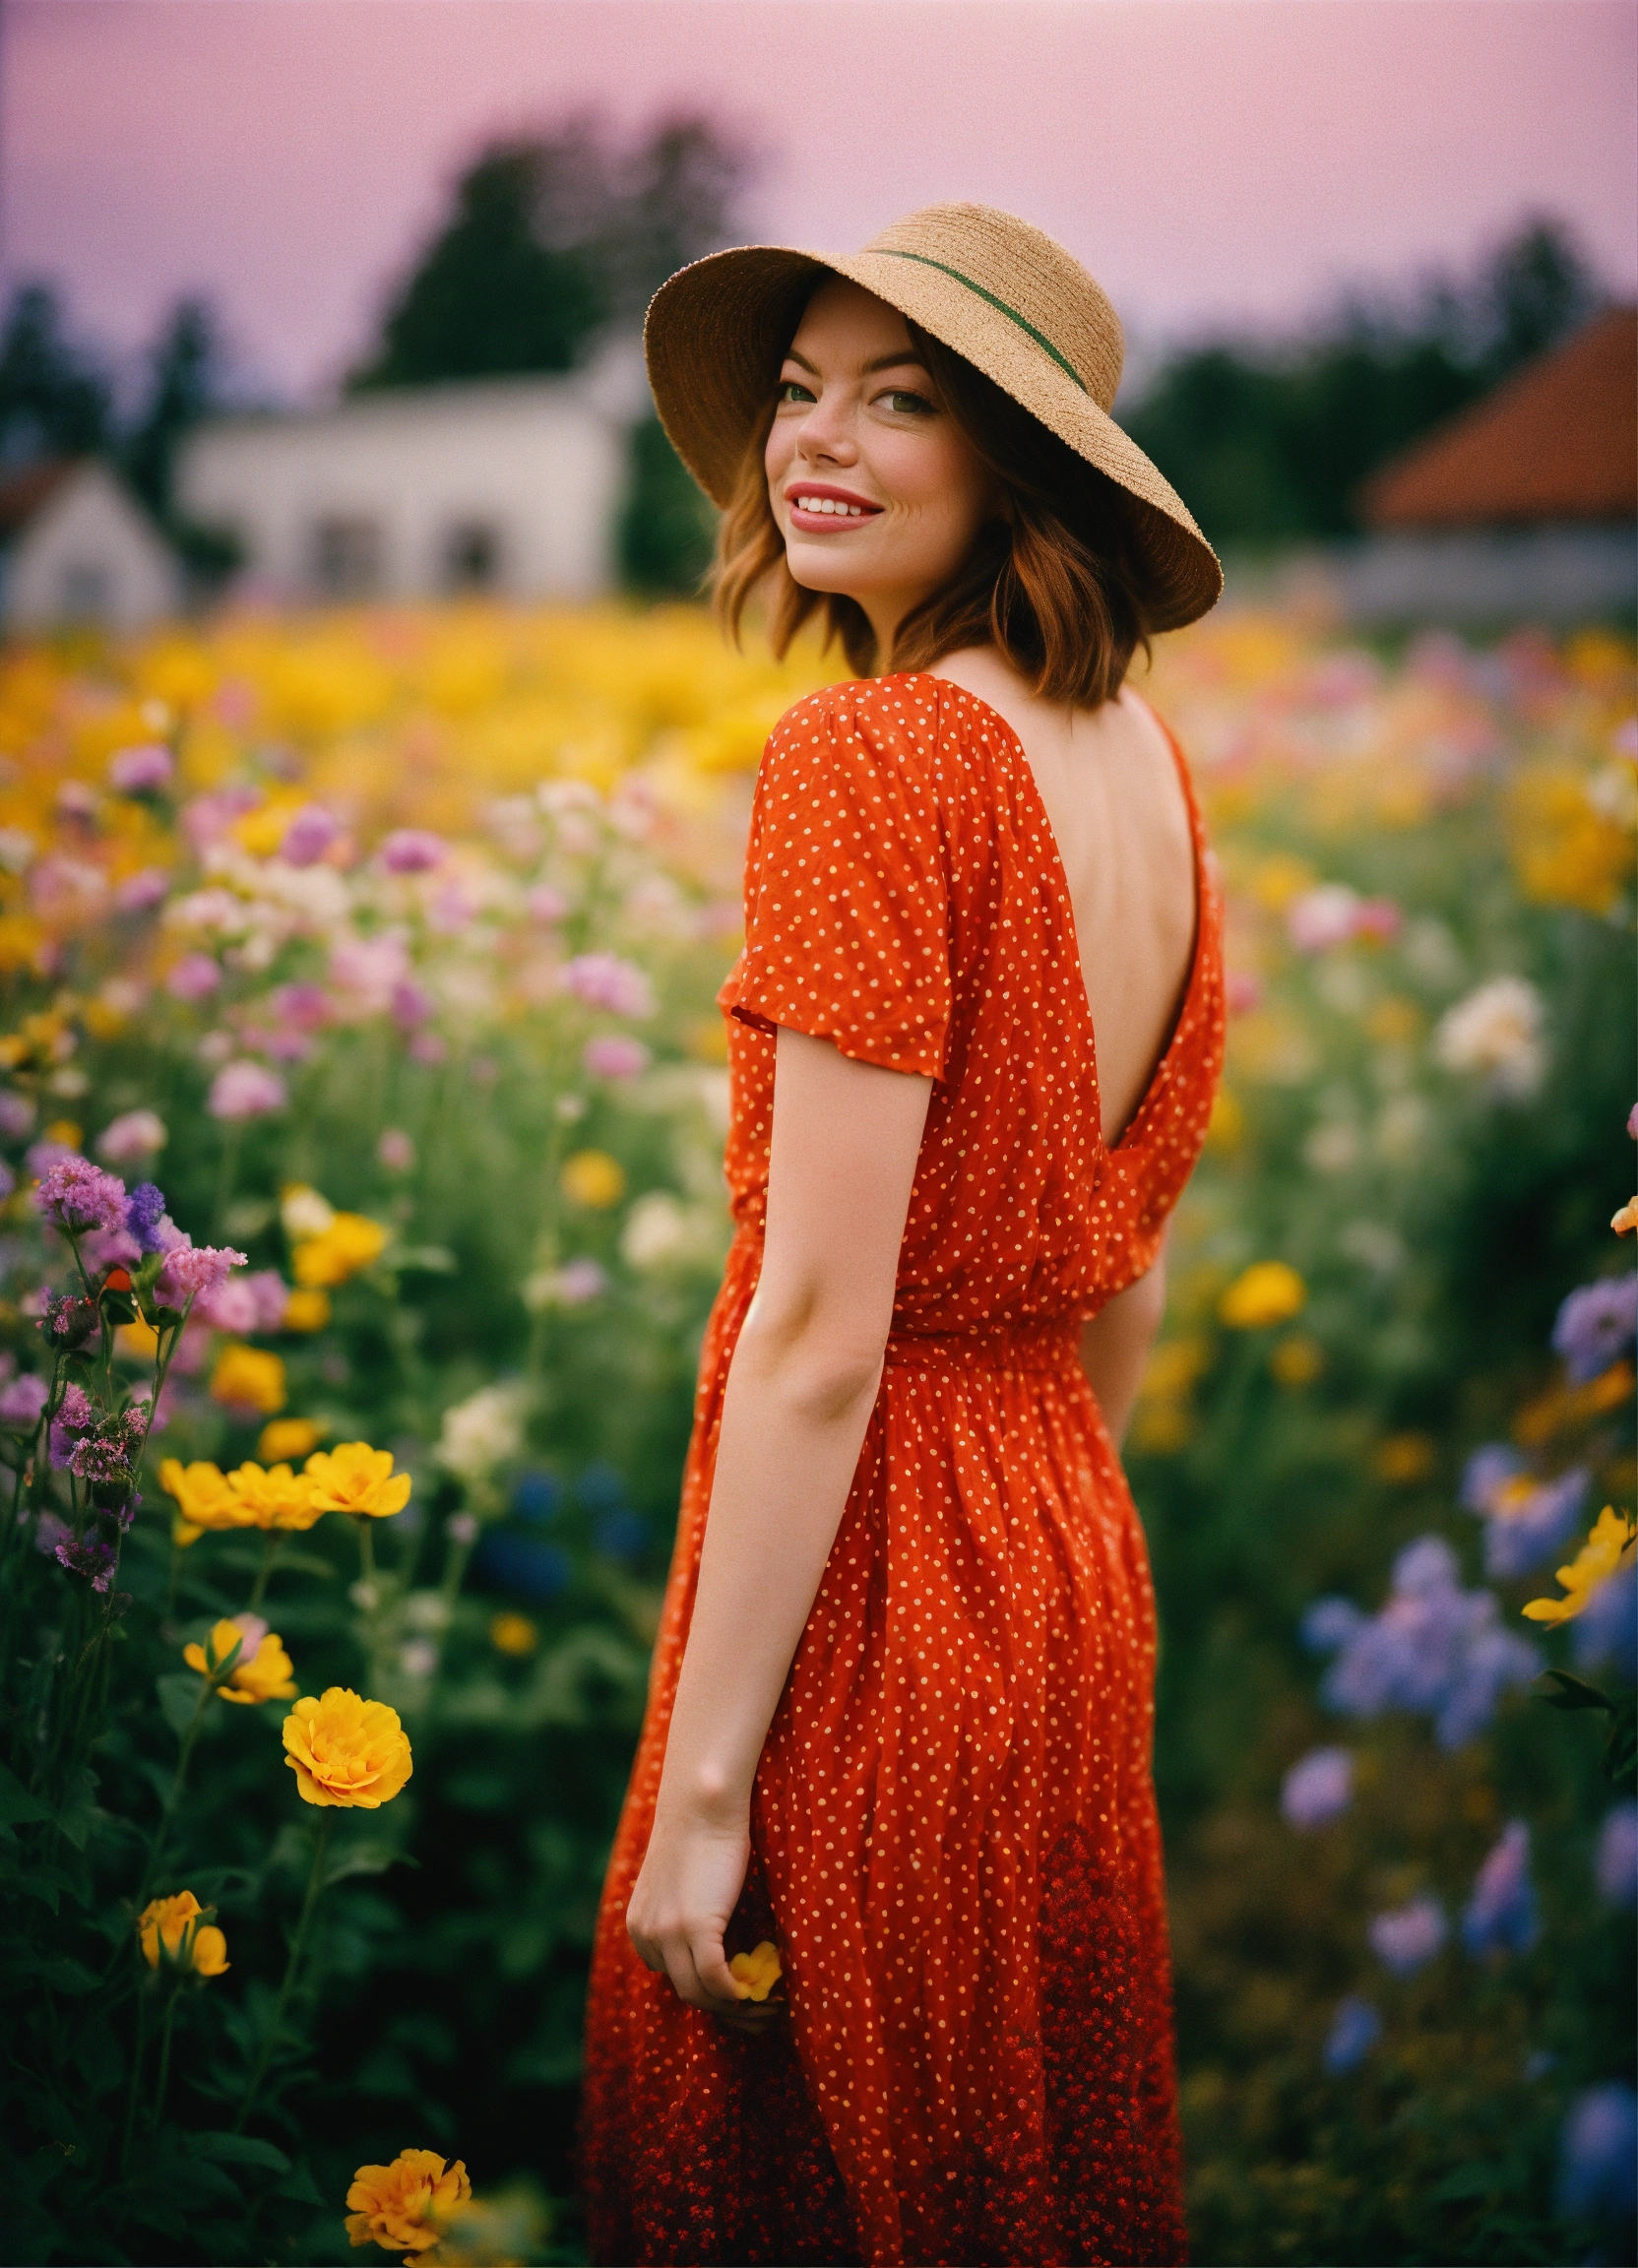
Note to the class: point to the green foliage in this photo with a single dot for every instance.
(666, 527)
(54, 400)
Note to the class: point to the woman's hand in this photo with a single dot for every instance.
(689, 1885)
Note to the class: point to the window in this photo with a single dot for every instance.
(472, 556)
(347, 557)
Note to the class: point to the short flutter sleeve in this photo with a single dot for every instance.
(847, 890)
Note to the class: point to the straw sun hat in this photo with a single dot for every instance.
(986, 284)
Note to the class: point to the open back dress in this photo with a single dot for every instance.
(954, 1838)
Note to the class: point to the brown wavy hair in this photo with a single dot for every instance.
(1054, 586)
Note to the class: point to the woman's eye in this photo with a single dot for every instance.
(904, 405)
(793, 390)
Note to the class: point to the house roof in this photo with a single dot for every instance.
(1558, 441)
(23, 493)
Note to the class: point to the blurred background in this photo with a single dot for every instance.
(330, 489)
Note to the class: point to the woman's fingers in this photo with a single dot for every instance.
(712, 1968)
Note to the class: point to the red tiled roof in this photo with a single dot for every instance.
(1558, 441)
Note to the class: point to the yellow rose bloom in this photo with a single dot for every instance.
(263, 1670)
(348, 1751)
(351, 1242)
(1588, 1571)
(354, 1477)
(513, 1634)
(590, 1177)
(306, 1311)
(287, 1439)
(406, 2207)
(1267, 1293)
(275, 1498)
(202, 1495)
(174, 1924)
(758, 1972)
(249, 1377)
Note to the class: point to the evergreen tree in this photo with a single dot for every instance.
(55, 402)
(185, 382)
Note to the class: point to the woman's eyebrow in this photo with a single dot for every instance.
(909, 360)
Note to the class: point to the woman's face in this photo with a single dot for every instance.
(877, 494)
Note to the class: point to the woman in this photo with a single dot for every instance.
(898, 1723)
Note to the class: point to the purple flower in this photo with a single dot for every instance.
(1597, 2163)
(615, 1056)
(93, 1559)
(1632, 1121)
(245, 1090)
(50, 1531)
(208, 817)
(195, 977)
(76, 1415)
(605, 980)
(193, 1270)
(430, 1047)
(1502, 1915)
(1605, 1631)
(1596, 1325)
(17, 1115)
(133, 1134)
(412, 1004)
(1408, 1938)
(370, 967)
(396, 1150)
(1529, 1524)
(1615, 1867)
(101, 1458)
(305, 1006)
(141, 892)
(412, 850)
(1355, 2028)
(309, 836)
(1485, 1475)
(41, 1156)
(229, 1306)
(143, 1212)
(271, 1296)
(75, 1194)
(22, 1402)
(1318, 1787)
(1330, 1623)
(8, 1181)
(140, 771)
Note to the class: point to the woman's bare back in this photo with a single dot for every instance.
(1109, 784)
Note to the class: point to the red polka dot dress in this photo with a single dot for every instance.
(954, 1835)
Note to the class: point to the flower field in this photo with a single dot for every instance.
(361, 1098)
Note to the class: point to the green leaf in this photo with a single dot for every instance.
(365, 1858)
(77, 1813)
(178, 1699)
(1471, 2182)
(1573, 1693)
(18, 1809)
(429, 1259)
(239, 2150)
(298, 2187)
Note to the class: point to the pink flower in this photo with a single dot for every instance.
(133, 1134)
(229, 1306)
(1378, 918)
(195, 976)
(412, 850)
(412, 1004)
(309, 836)
(140, 771)
(1244, 991)
(75, 800)
(615, 1056)
(195, 1272)
(547, 905)
(305, 1006)
(1322, 918)
(271, 1296)
(139, 893)
(396, 1150)
(245, 1091)
(605, 980)
(17, 1115)
(370, 967)
(430, 1047)
(74, 1194)
(208, 817)
(103, 1249)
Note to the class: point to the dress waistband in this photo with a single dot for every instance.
(1051, 1344)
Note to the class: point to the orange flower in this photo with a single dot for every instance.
(406, 2206)
(346, 1751)
(175, 1926)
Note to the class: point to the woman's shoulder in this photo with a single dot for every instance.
(900, 723)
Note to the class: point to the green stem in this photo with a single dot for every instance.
(131, 2091)
(232, 1139)
(196, 1724)
(298, 1945)
(160, 2090)
(366, 1557)
(272, 1543)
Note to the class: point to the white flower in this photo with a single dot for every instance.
(1497, 1031)
(304, 1213)
(660, 1235)
(482, 1432)
(571, 1286)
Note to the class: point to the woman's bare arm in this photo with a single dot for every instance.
(800, 1391)
(1116, 1345)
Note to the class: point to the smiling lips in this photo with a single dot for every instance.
(817, 508)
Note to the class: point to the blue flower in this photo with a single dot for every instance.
(537, 1497)
(520, 1563)
(1597, 2163)
(1318, 1787)
(1606, 1632)
(1502, 1915)
(621, 1534)
(1616, 1863)
(1408, 1938)
(1527, 1525)
(144, 1208)
(1354, 2030)
(1485, 1473)
(601, 1488)
(1596, 1325)
(1330, 1623)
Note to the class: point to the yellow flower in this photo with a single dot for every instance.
(175, 1926)
(303, 1212)
(1588, 1571)
(351, 1242)
(590, 1177)
(274, 1498)
(513, 1634)
(306, 1311)
(202, 1497)
(346, 1751)
(1406, 1457)
(354, 1477)
(1267, 1293)
(139, 1341)
(262, 1669)
(1626, 1219)
(406, 2206)
(67, 1133)
(758, 1972)
(1296, 1360)
(249, 1377)
(287, 1439)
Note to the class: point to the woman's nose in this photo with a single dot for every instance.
(826, 432)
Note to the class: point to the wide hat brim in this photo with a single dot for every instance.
(716, 330)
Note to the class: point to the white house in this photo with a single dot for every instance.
(509, 486)
(78, 547)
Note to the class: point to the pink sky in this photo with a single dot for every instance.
(1211, 161)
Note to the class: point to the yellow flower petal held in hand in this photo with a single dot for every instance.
(1588, 1571)
(248, 1377)
(263, 1670)
(1268, 1291)
(757, 1972)
(354, 1477)
(406, 2206)
(346, 1751)
(172, 1926)
(351, 1242)
(275, 1498)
